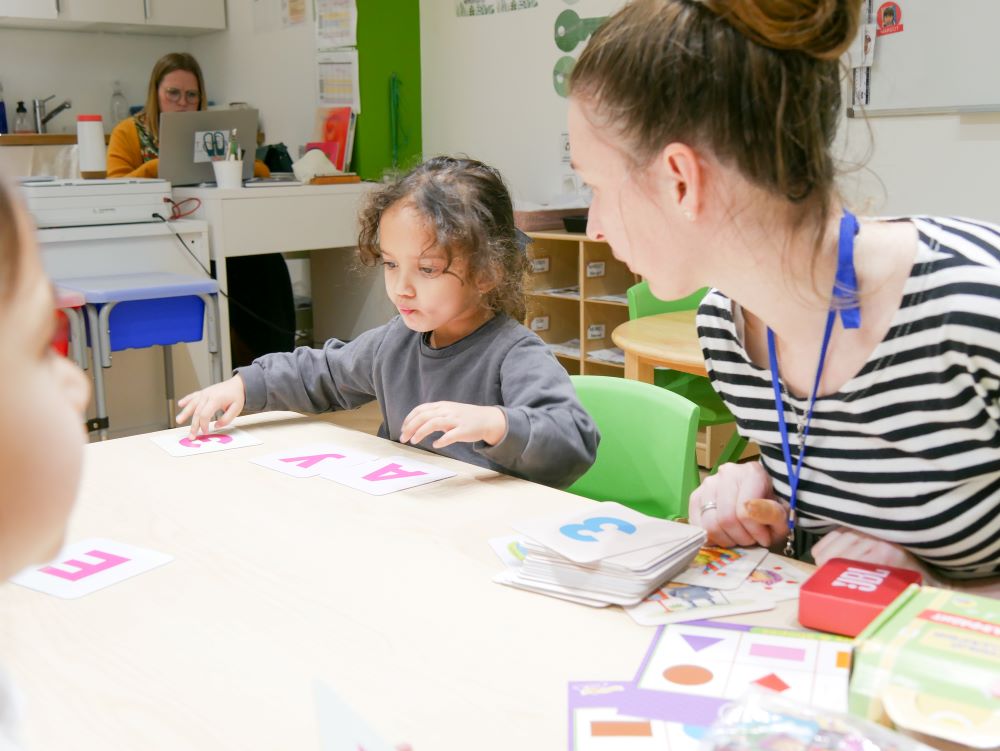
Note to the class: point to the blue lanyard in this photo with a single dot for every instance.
(845, 292)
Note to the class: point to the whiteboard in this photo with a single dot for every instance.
(946, 59)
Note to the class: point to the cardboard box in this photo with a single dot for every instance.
(929, 665)
(844, 596)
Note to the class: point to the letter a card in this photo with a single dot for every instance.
(89, 565)
(309, 461)
(179, 442)
(387, 475)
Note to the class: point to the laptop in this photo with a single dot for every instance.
(188, 138)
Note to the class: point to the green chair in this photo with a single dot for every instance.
(646, 459)
(712, 410)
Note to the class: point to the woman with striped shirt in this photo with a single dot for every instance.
(861, 355)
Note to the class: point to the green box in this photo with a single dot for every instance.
(929, 664)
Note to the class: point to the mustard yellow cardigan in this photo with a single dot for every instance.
(125, 160)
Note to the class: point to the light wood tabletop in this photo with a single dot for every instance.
(667, 340)
(279, 582)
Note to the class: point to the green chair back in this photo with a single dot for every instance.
(642, 302)
(646, 458)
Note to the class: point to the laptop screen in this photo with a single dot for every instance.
(190, 140)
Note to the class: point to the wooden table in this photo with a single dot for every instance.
(666, 340)
(278, 582)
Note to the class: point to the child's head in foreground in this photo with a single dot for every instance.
(42, 400)
(445, 234)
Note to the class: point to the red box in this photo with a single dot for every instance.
(844, 596)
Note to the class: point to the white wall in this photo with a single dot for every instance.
(80, 66)
(488, 93)
(274, 71)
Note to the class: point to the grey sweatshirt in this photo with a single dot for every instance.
(550, 437)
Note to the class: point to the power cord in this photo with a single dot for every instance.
(224, 293)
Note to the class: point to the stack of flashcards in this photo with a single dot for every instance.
(607, 555)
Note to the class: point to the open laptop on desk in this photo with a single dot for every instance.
(184, 159)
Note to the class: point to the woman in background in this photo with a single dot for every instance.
(262, 310)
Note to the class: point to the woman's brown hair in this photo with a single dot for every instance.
(756, 83)
(165, 65)
(469, 210)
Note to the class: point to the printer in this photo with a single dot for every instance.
(76, 203)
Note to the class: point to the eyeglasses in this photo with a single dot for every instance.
(174, 95)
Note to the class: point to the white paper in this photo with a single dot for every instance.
(336, 24)
(337, 79)
(89, 565)
(178, 443)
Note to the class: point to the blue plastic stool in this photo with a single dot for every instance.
(134, 311)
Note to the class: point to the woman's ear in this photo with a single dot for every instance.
(683, 173)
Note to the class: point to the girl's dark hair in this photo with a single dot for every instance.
(755, 82)
(468, 208)
(10, 242)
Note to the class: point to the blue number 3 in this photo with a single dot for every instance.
(596, 524)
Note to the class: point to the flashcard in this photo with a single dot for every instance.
(771, 582)
(386, 475)
(309, 461)
(89, 565)
(721, 568)
(603, 531)
(510, 550)
(179, 443)
(509, 578)
(341, 728)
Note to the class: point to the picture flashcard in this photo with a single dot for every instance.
(721, 568)
(89, 565)
(311, 460)
(388, 475)
(179, 442)
(341, 728)
(602, 531)
(510, 550)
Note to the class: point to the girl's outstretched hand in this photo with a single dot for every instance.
(736, 506)
(460, 423)
(202, 406)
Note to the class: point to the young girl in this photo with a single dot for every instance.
(455, 372)
(863, 357)
(42, 402)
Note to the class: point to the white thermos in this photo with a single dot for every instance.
(90, 142)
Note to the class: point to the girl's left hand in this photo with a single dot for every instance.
(844, 542)
(463, 423)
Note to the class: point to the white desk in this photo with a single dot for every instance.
(253, 221)
(278, 582)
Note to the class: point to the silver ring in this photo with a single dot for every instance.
(710, 506)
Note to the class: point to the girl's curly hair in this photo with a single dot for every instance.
(467, 205)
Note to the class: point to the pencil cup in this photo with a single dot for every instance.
(228, 174)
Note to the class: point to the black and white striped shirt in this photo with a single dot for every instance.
(908, 450)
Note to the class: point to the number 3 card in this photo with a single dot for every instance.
(603, 531)
(89, 565)
(387, 475)
(179, 443)
(309, 461)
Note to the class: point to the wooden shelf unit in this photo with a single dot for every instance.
(564, 259)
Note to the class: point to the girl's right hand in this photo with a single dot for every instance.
(720, 507)
(201, 406)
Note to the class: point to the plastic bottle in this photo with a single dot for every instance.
(3, 112)
(90, 140)
(119, 105)
(22, 124)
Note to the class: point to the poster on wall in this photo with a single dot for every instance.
(491, 7)
(338, 79)
(336, 24)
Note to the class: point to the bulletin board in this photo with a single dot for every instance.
(940, 57)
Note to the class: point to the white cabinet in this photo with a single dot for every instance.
(39, 9)
(174, 17)
(101, 11)
(193, 15)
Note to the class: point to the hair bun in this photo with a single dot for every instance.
(823, 29)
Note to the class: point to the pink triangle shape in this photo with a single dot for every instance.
(698, 643)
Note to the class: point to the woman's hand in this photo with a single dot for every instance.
(201, 406)
(736, 506)
(464, 423)
(845, 542)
